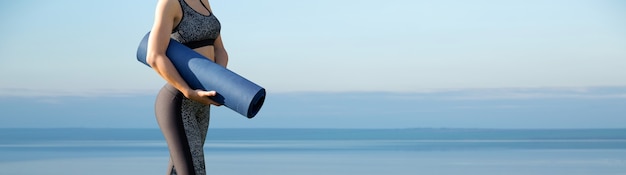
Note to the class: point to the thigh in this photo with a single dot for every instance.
(195, 128)
(168, 114)
(204, 117)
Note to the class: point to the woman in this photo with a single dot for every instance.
(182, 112)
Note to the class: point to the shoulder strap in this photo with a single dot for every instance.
(205, 6)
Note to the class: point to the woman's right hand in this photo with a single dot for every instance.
(201, 96)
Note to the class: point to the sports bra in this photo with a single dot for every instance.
(195, 29)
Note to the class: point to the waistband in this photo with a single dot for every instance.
(200, 43)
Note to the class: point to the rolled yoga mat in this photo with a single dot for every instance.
(233, 91)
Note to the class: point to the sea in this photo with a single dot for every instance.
(411, 151)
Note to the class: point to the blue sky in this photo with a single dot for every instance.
(329, 45)
(59, 50)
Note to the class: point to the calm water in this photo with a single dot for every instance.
(321, 151)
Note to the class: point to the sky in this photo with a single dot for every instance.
(328, 45)
(58, 51)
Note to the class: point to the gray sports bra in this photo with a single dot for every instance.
(195, 29)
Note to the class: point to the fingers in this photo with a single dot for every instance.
(207, 101)
(203, 97)
(207, 93)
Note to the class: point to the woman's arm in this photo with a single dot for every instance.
(221, 56)
(165, 16)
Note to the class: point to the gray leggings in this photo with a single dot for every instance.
(184, 124)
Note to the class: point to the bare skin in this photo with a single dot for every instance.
(167, 15)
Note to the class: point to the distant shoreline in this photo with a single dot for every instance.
(26, 134)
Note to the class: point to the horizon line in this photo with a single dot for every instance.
(587, 92)
(321, 128)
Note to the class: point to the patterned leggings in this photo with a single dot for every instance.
(184, 124)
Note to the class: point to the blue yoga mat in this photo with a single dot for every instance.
(233, 91)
